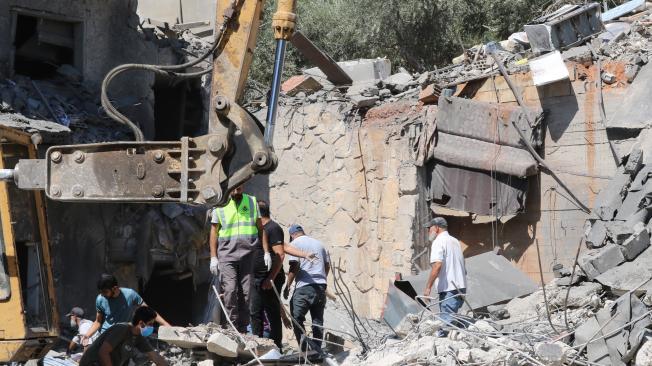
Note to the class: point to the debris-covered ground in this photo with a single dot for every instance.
(596, 312)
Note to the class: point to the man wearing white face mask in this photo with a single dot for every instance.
(448, 270)
(115, 346)
(82, 326)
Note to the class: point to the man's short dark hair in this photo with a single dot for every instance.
(263, 206)
(144, 314)
(107, 282)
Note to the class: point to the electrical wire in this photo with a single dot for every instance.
(163, 70)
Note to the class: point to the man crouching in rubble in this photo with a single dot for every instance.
(115, 346)
(115, 305)
(448, 269)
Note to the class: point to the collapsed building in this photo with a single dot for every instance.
(363, 166)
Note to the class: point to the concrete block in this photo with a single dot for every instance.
(597, 235)
(180, 337)
(359, 70)
(597, 261)
(631, 205)
(618, 232)
(551, 354)
(636, 243)
(222, 345)
(610, 198)
(644, 354)
(399, 82)
(367, 89)
(629, 275)
(361, 101)
(301, 83)
(635, 160)
(631, 71)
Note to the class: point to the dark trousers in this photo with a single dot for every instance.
(310, 298)
(266, 301)
(237, 280)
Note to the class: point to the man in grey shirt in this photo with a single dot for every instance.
(310, 290)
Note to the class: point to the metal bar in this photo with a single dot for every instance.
(334, 73)
(7, 175)
(45, 101)
(272, 111)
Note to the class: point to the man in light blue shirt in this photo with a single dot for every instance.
(310, 290)
(115, 305)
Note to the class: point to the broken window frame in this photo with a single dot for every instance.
(78, 34)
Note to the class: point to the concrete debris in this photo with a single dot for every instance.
(221, 341)
(551, 354)
(597, 261)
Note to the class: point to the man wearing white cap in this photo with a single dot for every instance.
(448, 270)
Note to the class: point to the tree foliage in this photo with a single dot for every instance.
(415, 34)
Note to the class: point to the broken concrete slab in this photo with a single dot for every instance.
(597, 261)
(610, 198)
(597, 234)
(181, 337)
(634, 113)
(399, 82)
(618, 231)
(624, 9)
(621, 347)
(361, 101)
(635, 159)
(359, 70)
(222, 345)
(629, 275)
(636, 243)
(551, 354)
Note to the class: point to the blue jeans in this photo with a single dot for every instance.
(450, 303)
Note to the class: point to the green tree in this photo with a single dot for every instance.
(415, 34)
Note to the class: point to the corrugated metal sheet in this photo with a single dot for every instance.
(489, 122)
(475, 191)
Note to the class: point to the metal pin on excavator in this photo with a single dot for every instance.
(194, 170)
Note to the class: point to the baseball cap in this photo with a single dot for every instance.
(294, 228)
(437, 221)
(76, 311)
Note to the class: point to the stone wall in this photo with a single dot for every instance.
(353, 186)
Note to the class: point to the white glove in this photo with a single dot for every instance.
(215, 266)
(268, 261)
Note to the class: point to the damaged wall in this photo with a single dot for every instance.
(353, 186)
(106, 36)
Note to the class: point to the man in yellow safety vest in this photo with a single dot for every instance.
(236, 229)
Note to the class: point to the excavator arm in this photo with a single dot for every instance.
(194, 169)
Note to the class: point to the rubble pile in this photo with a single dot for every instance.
(217, 340)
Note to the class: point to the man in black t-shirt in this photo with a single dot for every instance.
(262, 299)
(115, 346)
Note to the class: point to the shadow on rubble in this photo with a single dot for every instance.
(513, 237)
(559, 104)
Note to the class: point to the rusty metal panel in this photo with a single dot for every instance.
(326, 64)
(475, 154)
(489, 122)
(476, 192)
